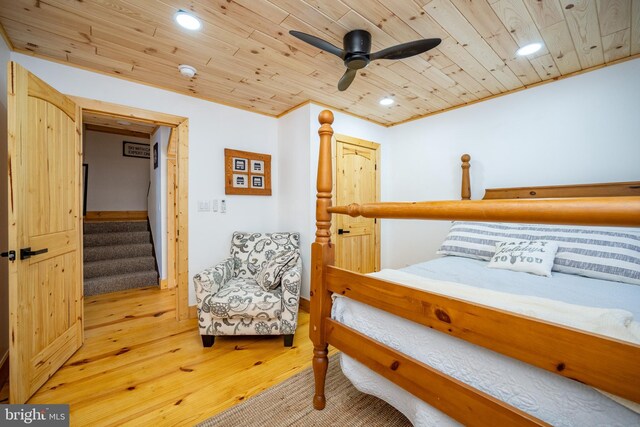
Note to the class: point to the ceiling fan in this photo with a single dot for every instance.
(357, 51)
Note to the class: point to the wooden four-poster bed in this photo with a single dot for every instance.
(608, 364)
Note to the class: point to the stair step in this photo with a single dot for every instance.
(120, 282)
(113, 226)
(99, 253)
(111, 267)
(119, 238)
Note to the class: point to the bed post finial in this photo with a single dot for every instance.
(324, 183)
(466, 180)
(321, 257)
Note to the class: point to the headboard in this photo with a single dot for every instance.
(613, 189)
(609, 189)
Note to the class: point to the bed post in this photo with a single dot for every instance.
(466, 180)
(321, 256)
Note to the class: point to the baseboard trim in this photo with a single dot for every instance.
(193, 312)
(4, 369)
(305, 305)
(164, 284)
(116, 216)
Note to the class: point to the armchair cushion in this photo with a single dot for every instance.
(251, 251)
(244, 298)
(208, 281)
(271, 274)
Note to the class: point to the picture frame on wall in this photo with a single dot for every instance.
(240, 181)
(257, 181)
(257, 166)
(155, 155)
(239, 165)
(85, 181)
(135, 149)
(247, 173)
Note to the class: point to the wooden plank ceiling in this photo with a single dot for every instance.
(246, 58)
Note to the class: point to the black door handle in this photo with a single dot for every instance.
(26, 253)
(11, 255)
(341, 231)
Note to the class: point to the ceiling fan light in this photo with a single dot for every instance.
(529, 49)
(187, 20)
(386, 101)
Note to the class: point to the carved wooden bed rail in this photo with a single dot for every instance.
(568, 352)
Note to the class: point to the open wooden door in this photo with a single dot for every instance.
(45, 279)
(357, 240)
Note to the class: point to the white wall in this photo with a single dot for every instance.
(157, 200)
(115, 182)
(212, 127)
(583, 129)
(4, 270)
(294, 150)
(298, 143)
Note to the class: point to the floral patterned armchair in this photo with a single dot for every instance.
(231, 296)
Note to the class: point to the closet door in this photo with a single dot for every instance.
(357, 240)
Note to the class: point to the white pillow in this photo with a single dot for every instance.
(528, 256)
(606, 253)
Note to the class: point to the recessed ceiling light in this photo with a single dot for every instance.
(386, 101)
(187, 20)
(529, 49)
(187, 70)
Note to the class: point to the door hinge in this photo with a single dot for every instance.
(375, 166)
(375, 220)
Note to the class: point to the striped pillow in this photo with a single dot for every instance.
(606, 253)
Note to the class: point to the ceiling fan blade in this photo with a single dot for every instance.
(347, 79)
(406, 50)
(319, 43)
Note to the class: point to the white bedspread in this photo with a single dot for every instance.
(550, 397)
(613, 323)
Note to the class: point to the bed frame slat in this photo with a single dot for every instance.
(451, 396)
(601, 362)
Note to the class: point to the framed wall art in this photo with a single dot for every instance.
(247, 173)
(135, 149)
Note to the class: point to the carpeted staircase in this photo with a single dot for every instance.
(118, 256)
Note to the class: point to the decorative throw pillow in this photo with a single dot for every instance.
(528, 256)
(271, 274)
(606, 253)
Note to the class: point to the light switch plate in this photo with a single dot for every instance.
(214, 205)
(223, 206)
(204, 206)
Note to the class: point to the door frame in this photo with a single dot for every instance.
(334, 154)
(180, 134)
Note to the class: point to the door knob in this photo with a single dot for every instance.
(26, 253)
(11, 255)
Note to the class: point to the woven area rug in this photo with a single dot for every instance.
(289, 404)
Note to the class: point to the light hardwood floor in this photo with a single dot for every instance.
(139, 366)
